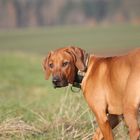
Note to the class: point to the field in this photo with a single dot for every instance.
(29, 106)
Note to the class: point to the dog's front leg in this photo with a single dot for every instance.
(113, 120)
(97, 102)
(104, 124)
(98, 135)
(99, 109)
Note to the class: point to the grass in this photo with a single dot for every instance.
(94, 39)
(29, 106)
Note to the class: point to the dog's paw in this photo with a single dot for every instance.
(98, 135)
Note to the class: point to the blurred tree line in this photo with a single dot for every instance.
(22, 13)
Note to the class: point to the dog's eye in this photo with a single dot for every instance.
(51, 65)
(65, 64)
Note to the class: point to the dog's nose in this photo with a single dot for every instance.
(56, 80)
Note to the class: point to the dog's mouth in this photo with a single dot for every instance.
(59, 84)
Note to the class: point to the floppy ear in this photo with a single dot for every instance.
(78, 55)
(46, 66)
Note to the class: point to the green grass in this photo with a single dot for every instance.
(28, 100)
(90, 38)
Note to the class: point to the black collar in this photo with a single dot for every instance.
(80, 74)
(78, 80)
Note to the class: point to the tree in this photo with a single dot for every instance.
(21, 8)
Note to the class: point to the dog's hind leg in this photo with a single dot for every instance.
(130, 116)
(131, 106)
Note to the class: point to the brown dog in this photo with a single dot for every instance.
(111, 85)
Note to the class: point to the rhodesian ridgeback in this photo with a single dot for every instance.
(111, 85)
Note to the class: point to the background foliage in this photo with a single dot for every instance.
(22, 13)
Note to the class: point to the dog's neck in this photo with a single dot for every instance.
(80, 74)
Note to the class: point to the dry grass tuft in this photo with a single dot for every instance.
(72, 120)
(16, 126)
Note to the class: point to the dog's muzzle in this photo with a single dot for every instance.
(59, 82)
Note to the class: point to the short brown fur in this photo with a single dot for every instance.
(111, 87)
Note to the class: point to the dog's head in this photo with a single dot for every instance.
(63, 64)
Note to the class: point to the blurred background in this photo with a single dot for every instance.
(32, 13)
(84, 23)
(29, 106)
